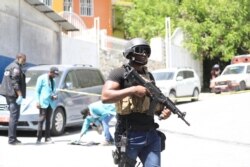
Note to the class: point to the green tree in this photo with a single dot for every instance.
(213, 28)
(147, 18)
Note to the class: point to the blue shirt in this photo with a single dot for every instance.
(44, 91)
(98, 111)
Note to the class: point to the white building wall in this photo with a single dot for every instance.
(25, 29)
(181, 57)
(9, 32)
(75, 51)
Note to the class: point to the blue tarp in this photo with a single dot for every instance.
(5, 61)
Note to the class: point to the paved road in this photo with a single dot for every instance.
(219, 136)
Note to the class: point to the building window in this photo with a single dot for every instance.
(47, 2)
(86, 7)
(68, 5)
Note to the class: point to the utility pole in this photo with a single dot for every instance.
(97, 33)
(168, 43)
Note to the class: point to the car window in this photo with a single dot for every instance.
(70, 81)
(234, 70)
(188, 74)
(32, 76)
(88, 78)
(248, 69)
(180, 74)
(163, 75)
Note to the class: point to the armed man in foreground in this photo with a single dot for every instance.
(136, 133)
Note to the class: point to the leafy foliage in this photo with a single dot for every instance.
(147, 18)
(217, 28)
(213, 28)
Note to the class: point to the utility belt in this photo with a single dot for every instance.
(143, 127)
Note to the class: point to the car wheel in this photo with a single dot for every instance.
(195, 95)
(172, 96)
(242, 85)
(217, 92)
(58, 122)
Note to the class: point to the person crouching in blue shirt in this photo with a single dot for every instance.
(45, 97)
(98, 115)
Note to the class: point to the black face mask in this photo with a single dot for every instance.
(140, 59)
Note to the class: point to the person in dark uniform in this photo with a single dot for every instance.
(136, 133)
(13, 87)
(215, 72)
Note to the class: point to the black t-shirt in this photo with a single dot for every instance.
(117, 75)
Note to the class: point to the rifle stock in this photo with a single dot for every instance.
(155, 93)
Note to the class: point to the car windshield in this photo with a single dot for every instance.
(31, 77)
(163, 75)
(234, 70)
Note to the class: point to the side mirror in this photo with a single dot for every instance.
(179, 78)
(68, 85)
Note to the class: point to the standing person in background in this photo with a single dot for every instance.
(14, 89)
(45, 96)
(215, 72)
(98, 116)
(135, 132)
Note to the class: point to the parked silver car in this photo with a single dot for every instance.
(177, 83)
(77, 87)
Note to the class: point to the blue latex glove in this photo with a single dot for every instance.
(19, 100)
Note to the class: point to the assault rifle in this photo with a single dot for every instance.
(155, 93)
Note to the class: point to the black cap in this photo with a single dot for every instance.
(54, 70)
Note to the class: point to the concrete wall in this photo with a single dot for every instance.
(75, 51)
(25, 29)
(110, 61)
(111, 55)
(181, 57)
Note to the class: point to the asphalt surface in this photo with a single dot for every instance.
(219, 136)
